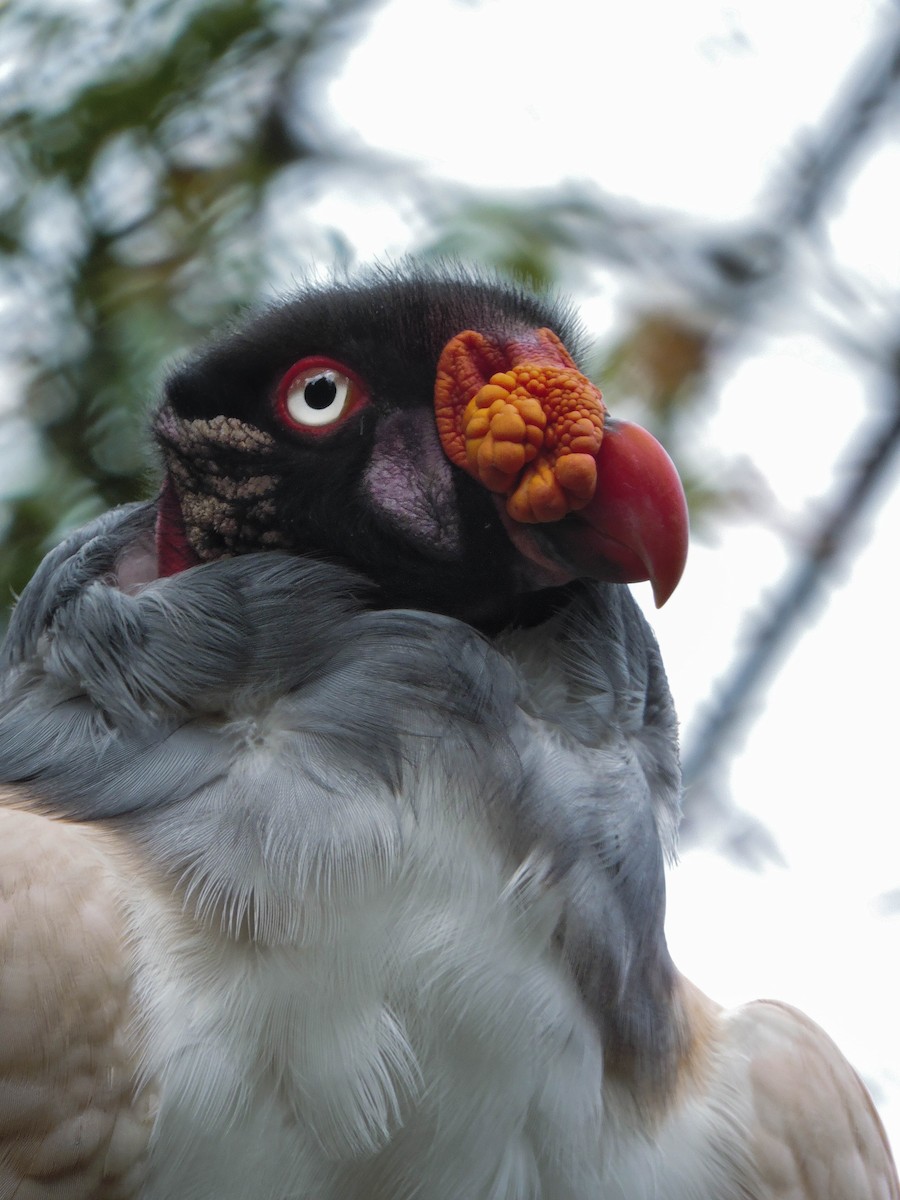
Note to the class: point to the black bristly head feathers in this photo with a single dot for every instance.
(374, 491)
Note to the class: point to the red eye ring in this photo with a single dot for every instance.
(317, 395)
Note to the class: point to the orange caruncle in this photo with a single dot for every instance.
(531, 432)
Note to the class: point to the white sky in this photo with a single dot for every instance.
(694, 106)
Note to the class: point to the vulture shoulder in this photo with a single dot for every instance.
(73, 1114)
(815, 1134)
(765, 1108)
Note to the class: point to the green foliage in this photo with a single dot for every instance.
(141, 141)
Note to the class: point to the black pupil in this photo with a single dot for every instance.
(320, 393)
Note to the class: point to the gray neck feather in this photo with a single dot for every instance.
(170, 707)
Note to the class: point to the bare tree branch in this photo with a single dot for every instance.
(778, 622)
(760, 261)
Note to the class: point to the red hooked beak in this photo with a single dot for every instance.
(521, 418)
(636, 525)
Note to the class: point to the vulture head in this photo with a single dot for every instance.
(433, 433)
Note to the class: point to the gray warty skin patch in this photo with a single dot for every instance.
(223, 514)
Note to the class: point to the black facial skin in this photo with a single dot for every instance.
(388, 504)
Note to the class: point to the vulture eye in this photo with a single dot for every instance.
(318, 394)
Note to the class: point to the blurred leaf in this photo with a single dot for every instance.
(142, 139)
(533, 238)
(662, 359)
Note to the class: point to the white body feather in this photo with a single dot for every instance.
(410, 1031)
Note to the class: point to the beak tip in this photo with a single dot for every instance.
(663, 588)
(666, 571)
(636, 527)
